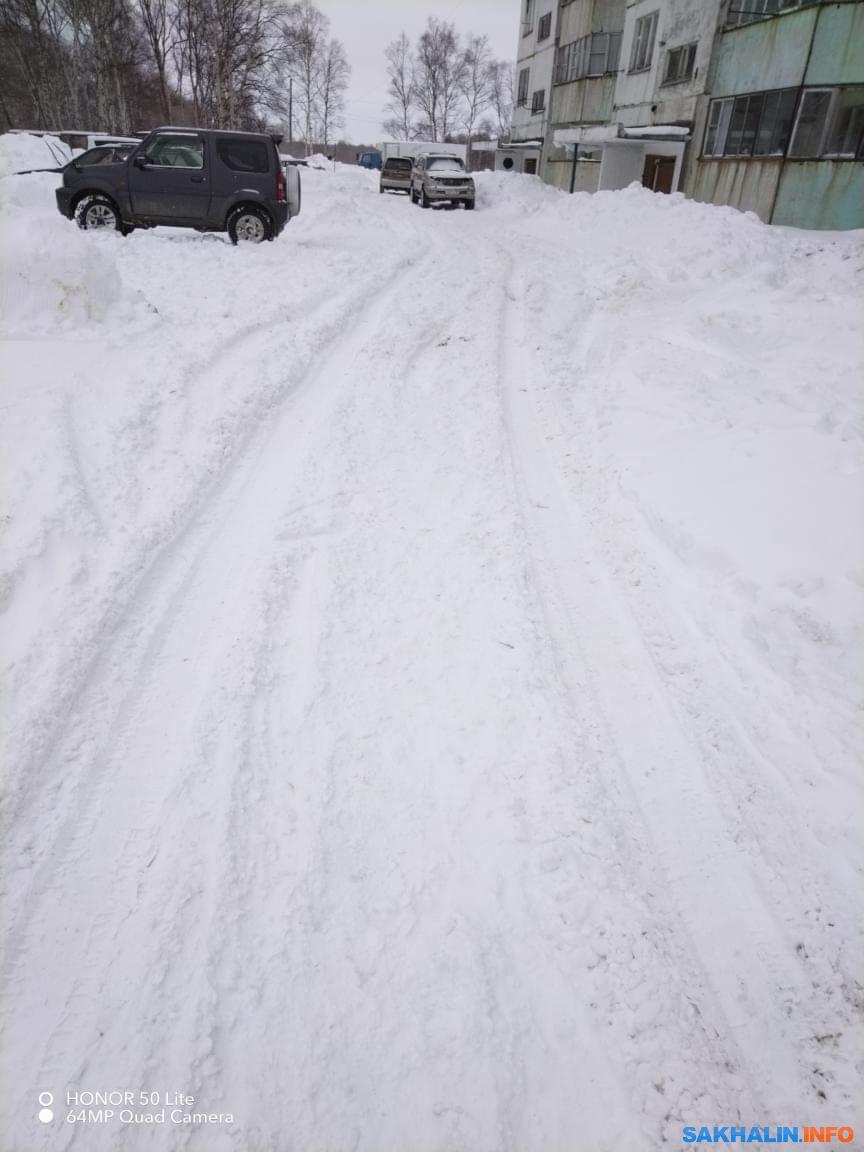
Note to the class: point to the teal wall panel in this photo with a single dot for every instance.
(821, 194)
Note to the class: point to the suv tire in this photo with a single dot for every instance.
(424, 199)
(249, 224)
(96, 211)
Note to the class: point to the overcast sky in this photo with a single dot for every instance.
(365, 27)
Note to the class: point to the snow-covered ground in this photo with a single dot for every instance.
(432, 651)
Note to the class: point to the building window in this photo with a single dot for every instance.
(829, 122)
(758, 124)
(527, 17)
(679, 64)
(544, 28)
(538, 101)
(811, 123)
(643, 42)
(522, 91)
(594, 55)
(846, 135)
(746, 11)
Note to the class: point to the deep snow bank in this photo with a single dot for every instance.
(21, 152)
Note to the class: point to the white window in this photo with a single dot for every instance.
(595, 55)
(643, 42)
(679, 64)
(718, 126)
(746, 11)
(846, 133)
(522, 93)
(809, 134)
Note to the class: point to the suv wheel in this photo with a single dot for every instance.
(98, 212)
(424, 199)
(249, 225)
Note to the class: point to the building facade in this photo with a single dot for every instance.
(783, 132)
(754, 103)
(583, 91)
(535, 58)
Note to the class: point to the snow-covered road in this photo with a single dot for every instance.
(432, 674)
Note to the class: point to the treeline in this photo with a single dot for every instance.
(444, 87)
(127, 65)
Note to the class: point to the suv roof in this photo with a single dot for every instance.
(181, 131)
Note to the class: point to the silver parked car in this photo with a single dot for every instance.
(396, 174)
(441, 179)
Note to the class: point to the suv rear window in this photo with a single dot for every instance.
(400, 164)
(243, 155)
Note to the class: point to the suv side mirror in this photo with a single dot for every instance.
(141, 160)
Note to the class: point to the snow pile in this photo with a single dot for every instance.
(21, 152)
(54, 275)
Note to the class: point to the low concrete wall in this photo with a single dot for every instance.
(746, 184)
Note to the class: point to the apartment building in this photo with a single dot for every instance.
(754, 103)
(535, 58)
(783, 132)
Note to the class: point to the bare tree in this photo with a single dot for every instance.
(438, 76)
(335, 71)
(158, 21)
(501, 102)
(306, 35)
(400, 88)
(476, 82)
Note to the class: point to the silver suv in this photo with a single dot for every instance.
(438, 178)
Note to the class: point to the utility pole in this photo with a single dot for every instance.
(290, 110)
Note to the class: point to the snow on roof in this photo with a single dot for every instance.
(657, 130)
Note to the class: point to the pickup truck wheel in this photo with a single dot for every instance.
(98, 212)
(469, 204)
(424, 199)
(249, 225)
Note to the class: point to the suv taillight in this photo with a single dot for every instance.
(281, 187)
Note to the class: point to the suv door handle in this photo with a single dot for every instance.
(198, 179)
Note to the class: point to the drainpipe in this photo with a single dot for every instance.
(795, 115)
(573, 169)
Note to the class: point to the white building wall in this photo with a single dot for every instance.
(539, 58)
(642, 98)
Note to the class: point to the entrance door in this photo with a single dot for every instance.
(658, 173)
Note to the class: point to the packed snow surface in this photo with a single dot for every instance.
(432, 660)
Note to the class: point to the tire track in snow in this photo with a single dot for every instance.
(206, 567)
(138, 587)
(752, 982)
(124, 649)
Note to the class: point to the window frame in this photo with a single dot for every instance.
(178, 138)
(651, 21)
(817, 90)
(536, 107)
(573, 60)
(691, 49)
(836, 109)
(547, 19)
(223, 143)
(741, 17)
(522, 96)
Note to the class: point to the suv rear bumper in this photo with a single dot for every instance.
(280, 217)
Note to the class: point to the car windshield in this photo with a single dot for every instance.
(446, 164)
